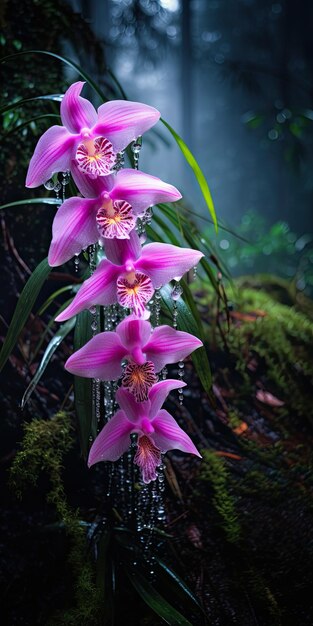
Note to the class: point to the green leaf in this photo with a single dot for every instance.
(33, 119)
(23, 308)
(221, 226)
(155, 601)
(166, 230)
(47, 329)
(83, 386)
(64, 60)
(179, 582)
(197, 171)
(192, 240)
(49, 352)
(47, 200)
(192, 324)
(189, 300)
(52, 297)
(55, 97)
(255, 121)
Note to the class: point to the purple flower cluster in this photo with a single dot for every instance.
(87, 145)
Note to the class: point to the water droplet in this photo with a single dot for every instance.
(65, 178)
(49, 184)
(164, 373)
(136, 147)
(176, 292)
(272, 134)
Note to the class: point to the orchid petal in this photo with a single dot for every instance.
(142, 190)
(53, 153)
(100, 288)
(88, 186)
(112, 441)
(99, 358)
(135, 411)
(159, 392)
(119, 251)
(169, 436)
(122, 121)
(133, 333)
(162, 262)
(76, 112)
(168, 345)
(74, 228)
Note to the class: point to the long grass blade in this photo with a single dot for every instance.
(64, 60)
(23, 308)
(47, 200)
(63, 331)
(196, 170)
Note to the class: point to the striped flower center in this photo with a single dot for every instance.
(115, 219)
(148, 458)
(134, 290)
(95, 157)
(138, 379)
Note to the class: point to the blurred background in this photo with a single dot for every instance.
(233, 77)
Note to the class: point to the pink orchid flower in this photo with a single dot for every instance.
(89, 138)
(147, 351)
(109, 211)
(157, 431)
(130, 274)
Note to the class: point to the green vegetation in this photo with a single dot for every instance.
(214, 471)
(43, 448)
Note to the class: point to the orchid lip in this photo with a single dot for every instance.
(148, 458)
(134, 290)
(138, 379)
(95, 156)
(115, 219)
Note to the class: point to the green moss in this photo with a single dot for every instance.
(263, 596)
(42, 450)
(280, 336)
(214, 471)
(234, 419)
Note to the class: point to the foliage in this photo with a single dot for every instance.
(145, 26)
(290, 127)
(25, 26)
(213, 471)
(258, 246)
(283, 339)
(43, 448)
(279, 335)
